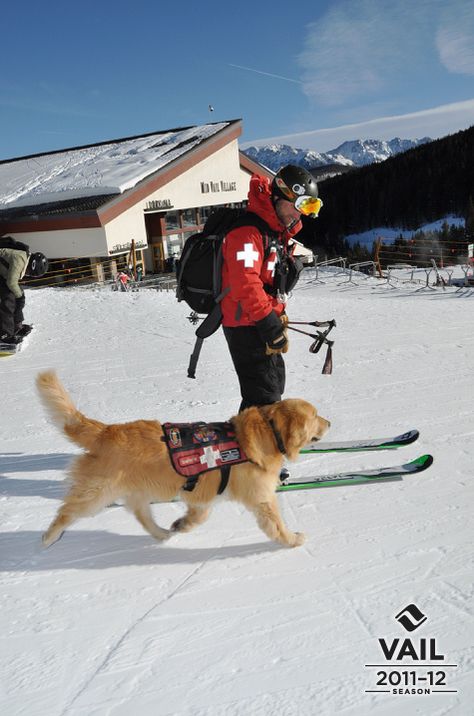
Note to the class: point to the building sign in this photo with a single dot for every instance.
(213, 186)
(121, 248)
(158, 205)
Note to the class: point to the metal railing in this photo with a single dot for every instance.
(338, 262)
(355, 267)
(166, 282)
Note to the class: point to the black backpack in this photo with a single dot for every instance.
(8, 242)
(199, 270)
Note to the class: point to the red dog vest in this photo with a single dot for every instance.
(195, 448)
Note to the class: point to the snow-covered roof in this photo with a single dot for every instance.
(108, 168)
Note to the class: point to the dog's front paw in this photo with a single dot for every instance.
(163, 536)
(298, 539)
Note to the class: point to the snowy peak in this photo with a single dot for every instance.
(367, 151)
(275, 156)
(355, 153)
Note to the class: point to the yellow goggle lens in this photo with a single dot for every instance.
(308, 205)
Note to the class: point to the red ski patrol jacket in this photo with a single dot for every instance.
(249, 275)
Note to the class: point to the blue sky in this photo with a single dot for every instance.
(311, 75)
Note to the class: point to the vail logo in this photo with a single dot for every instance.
(411, 617)
(426, 649)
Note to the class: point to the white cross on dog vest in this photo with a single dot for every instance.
(195, 448)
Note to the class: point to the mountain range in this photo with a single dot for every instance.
(355, 153)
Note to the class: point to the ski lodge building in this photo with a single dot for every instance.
(87, 208)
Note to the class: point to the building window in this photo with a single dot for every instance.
(172, 220)
(189, 217)
(174, 244)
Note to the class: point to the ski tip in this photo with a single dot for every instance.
(423, 462)
(409, 437)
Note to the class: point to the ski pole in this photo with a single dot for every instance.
(320, 338)
(318, 324)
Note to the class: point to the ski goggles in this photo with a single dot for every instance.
(308, 205)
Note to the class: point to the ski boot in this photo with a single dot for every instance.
(23, 330)
(8, 340)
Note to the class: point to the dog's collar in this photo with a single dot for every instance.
(278, 437)
(276, 434)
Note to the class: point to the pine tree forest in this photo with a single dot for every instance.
(407, 191)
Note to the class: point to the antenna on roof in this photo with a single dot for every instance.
(211, 108)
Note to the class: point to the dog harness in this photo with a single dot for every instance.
(196, 448)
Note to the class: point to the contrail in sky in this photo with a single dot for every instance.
(268, 74)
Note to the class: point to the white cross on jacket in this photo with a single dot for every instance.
(248, 255)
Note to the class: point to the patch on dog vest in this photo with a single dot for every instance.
(195, 448)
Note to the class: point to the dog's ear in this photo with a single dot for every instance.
(254, 436)
(290, 418)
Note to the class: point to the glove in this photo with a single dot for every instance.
(278, 345)
(20, 301)
(272, 330)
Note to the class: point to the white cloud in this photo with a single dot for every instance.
(455, 39)
(359, 48)
(434, 123)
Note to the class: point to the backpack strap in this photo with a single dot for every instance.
(249, 218)
(270, 239)
(210, 324)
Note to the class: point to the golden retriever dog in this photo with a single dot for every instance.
(130, 461)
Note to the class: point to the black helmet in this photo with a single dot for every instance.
(297, 185)
(37, 265)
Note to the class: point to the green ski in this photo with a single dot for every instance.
(362, 445)
(361, 477)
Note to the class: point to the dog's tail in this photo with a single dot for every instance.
(56, 400)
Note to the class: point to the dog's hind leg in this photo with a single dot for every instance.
(270, 521)
(142, 512)
(194, 516)
(77, 504)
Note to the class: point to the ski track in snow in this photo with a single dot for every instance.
(125, 635)
(220, 621)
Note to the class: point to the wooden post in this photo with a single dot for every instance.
(134, 259)
(378, 243)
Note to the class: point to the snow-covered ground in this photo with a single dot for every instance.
(220, 620)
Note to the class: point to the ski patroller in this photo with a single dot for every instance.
(360, 477)
(390, 443)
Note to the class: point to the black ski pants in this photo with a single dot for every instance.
(261, 377)
(11, 310)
